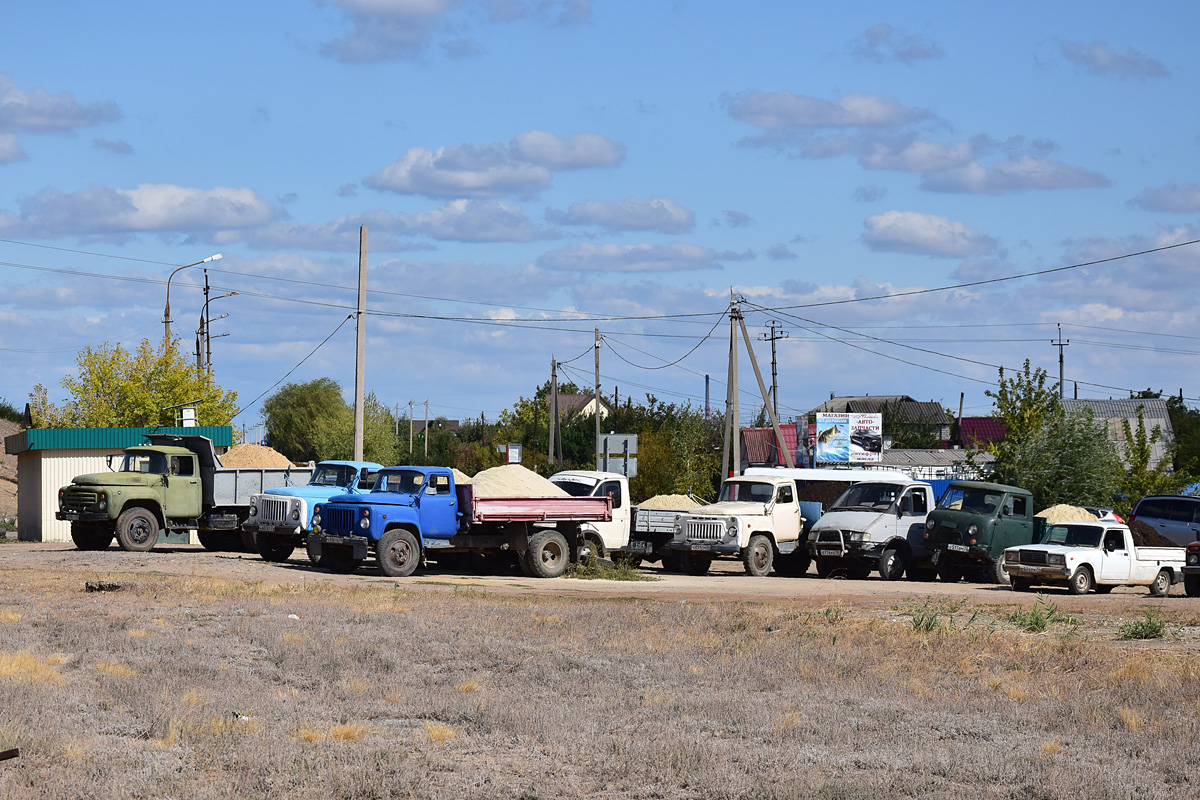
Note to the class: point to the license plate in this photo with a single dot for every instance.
(834, 553)
(958, 548)
(639, 546)
(702, 547)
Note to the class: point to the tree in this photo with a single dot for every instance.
(1140, 480)
(1058, 457)
(118, 389)
(304, 421)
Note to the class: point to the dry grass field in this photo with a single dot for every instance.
(200, 686)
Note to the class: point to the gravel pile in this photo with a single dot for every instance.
(672, 502)
(513, 480)
(1060, 513)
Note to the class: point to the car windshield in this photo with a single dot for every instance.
(575, 487)
(868, 496)
(980, 501)
(407, 481)
(1073, 535)
(333, 475)
(150, 463)
(746, 492)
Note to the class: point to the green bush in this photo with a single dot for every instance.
(1150, 626)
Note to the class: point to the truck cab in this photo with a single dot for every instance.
(972, 526)
(755, 518)
(874, 525)
(600, 538)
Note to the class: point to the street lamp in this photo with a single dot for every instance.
(205, 332)
(167, 307)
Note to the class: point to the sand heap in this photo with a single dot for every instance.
(255, 456)
(513, 480)
(1055, 515)
(670, 502)
(460, 477)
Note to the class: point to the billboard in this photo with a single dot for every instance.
(848, 438)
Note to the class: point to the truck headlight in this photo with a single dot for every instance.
(1193, 558)
(930, 525)
(364, 523)
(295, 515)
(731, 532)
(254, 511)
(972, 529)
(316, 516)
(1057, 559)
(102, 503)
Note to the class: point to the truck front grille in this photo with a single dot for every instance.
(830, 536)
(272, 509)
(338, 521)
(77, 498)
(705, 530)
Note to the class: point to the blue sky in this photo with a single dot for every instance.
(529, 170)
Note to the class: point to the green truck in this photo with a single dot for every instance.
(173, 484)
(973, 524)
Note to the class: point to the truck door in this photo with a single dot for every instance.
(438, 507)
(914, 507)
(1116, 560)
(614, 533)
(785, 517)
(1014, 526)
(183, 488)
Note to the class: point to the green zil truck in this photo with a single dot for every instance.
(173, 484)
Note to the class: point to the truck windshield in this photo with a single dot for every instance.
(151, 463)
(407, 481)
(746, 492)
(1073, 535)
(868, 497)
(574, 486)
(980, 501)
(333, 475)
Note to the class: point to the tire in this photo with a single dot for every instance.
(219, 541)
(398, 553)
(998, 574)
(317, 560)
(272, 548)
(137, 530)
(339, 563)
(950, 573)
(758, 556)
(547, 554)
(1081, 581)
(1020, 584)
(793, 565)
(892, 564)
(825, 566)
(1191, 585)
(592, 548)
(672, 561)
(249, 540)
(695, 564)
(1161, 585)
(857, 572)
(91, 535)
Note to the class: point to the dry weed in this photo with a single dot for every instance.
(437, 733)
(25, 667)
(348, 732)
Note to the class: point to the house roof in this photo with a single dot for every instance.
(979, 431)
(907, 410)
(760, 443)
(933, 458)
(1116, 412)
(574, 403)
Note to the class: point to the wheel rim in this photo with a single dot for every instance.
(551, 554)
(400, 553)
(139, 531)
(760, 558)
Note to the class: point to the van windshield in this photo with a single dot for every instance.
(979, 501)
(868, 497)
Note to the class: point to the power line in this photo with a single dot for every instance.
(293, 369)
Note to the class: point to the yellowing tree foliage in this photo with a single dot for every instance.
(115, 388)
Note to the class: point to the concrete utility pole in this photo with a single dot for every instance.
(762, 387)
(361, 344)
(772, 338)
(731, 451)
(597, 395)
(553, 406)
(410, 428)
(426, 430)
(1060, 344)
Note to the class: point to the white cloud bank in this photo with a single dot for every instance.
(924, 235)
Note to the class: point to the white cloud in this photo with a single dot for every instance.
(882, 43)
(918, 155)
(10, 149)
(600, 258)
(38, 111)
(522, 168)
(1098, 58)
(477, 221)
(924, 234)
(164, 208)
(1174, 198)
(1018, 174)
(786, 111)
(630, 214)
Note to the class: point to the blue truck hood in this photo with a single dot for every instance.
(311, 492)
(375, 499)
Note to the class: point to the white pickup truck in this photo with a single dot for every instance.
(755, 518)
(1087, 555)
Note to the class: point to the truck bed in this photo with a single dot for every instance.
(234, 486)
(654, 520)
(536, 509)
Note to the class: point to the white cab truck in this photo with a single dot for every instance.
(755, 519)
(634, 534)
(1093, 555)
(875, 525)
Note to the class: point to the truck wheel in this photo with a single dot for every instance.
(1161, 585)
(696, 564)
(340, 563)
(91, 535)
(758, 556)
(272, 548)
(949, 573)
(1081, 581)
(672, 561)
(794, 564)
(137, 530)
(1191, 585)
(857, 572)
(315, 556)
(825, 567)
(249, 540)
(1021, 584)
(998, 574)
(547, 554)
(398, 553)
(892, 564)
(592, 548)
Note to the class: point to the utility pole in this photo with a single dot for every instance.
(597, 396)
(762, 387)
(1060, 344)
(410, 428)
(426, 430)
(731, 451)
(772, 338)
(553, 406)
(361, 349)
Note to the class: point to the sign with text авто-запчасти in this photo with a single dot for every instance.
(854, 438)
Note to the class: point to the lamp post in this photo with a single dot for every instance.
(167, 307)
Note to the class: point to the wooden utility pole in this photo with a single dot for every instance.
(361, 344)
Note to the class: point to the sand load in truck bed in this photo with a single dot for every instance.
(1055, 515)
(253, 456)
(513, 480)
(670, 502)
